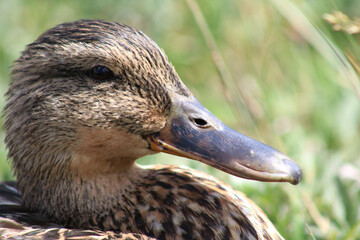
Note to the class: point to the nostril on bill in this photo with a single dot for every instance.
(200, 122)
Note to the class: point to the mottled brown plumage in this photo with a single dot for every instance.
(73, 140)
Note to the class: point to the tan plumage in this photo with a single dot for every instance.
(74, 134)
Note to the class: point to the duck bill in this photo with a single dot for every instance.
(193, 132)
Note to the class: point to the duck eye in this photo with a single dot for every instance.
(101, 73)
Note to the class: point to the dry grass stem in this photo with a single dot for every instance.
(231, 91)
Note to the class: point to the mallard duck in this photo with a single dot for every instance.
(87, 99)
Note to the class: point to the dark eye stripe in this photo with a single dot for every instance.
(101, 73)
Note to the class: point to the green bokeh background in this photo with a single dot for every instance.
(295, 90)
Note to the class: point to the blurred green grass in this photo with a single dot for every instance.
(296, 91)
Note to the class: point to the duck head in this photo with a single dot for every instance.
(88, 98)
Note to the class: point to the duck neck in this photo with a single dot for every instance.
(82, 202)
(79, 173)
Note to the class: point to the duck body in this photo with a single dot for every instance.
(87, 99)
(170, 202)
